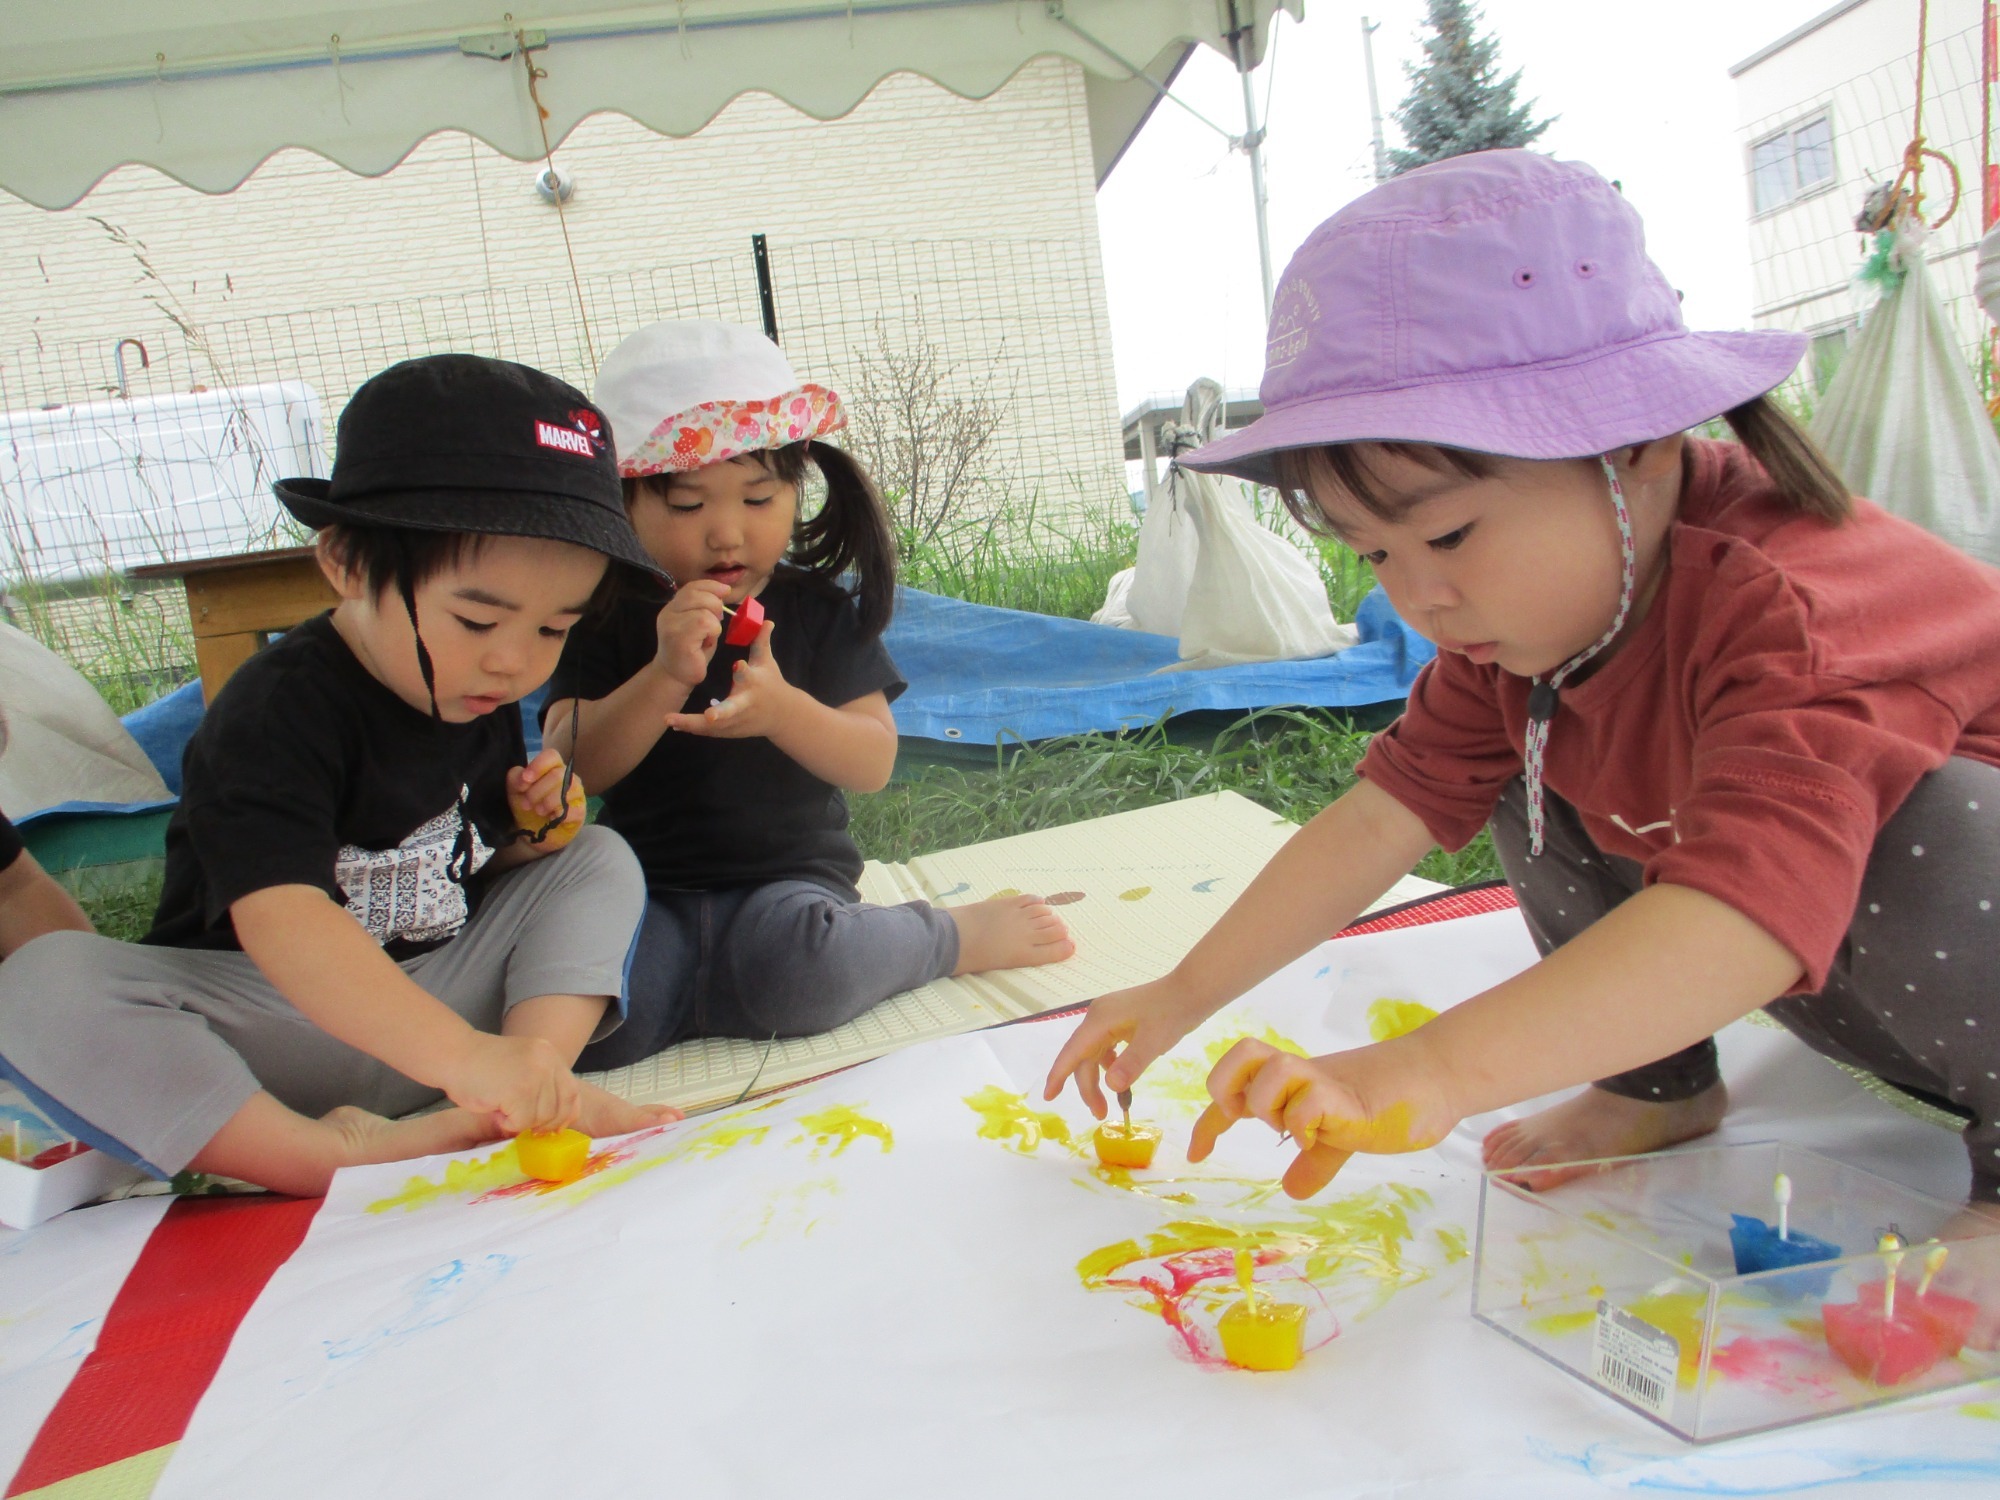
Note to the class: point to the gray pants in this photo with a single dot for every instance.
(147, 1052)
(788, 959)
(1914, 994)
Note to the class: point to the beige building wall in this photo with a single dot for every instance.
(919, 219)
(1856, 65)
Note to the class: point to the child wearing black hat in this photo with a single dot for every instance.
(359, 914)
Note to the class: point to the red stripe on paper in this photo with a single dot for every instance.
(1442, 907)
(206, 1262)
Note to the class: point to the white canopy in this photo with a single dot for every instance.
(204, 90)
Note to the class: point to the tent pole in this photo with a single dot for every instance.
(1368, 30)
(1252, 142)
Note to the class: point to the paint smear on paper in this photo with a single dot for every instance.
(834, 1130)
(790, 1208)
(1064, 898)
(1679, 1314)
(498, 1177)
(1185, 1079)
(435, 1298)
(1784, 1367)
(1389, 1019)
(1137, 893)
(1453, 1241)
(1205, 886)
(1011, 1120)
(1985, 1411)
(1184, 1272)
(1005, 890)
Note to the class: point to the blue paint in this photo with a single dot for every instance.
(438, 1296)
(72, 1343)
(958, 890)
(1757, 1247)
(1204, 885)
(1323, 971)
(1754, 1472)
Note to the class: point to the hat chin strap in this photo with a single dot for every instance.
(460, 863)
(1542, 696)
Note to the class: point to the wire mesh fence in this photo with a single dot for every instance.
(1822, 138)
(164, 446)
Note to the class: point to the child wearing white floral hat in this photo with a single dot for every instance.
(723, 764)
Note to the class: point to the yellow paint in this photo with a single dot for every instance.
(1152, 1187)
(552, 1155)
(1126, 1146)
(479, 1175)
(1009, 1118)
(1005, 890)
(1557, 1324)
(1267, 1336)
(1453, 1241)
(840, 1127)
(1602, 1219)
(1680, 1314)
(1137, 893)
(1986, 1411)
(1362, 1234)
(1185, 1079)
(128, 1479)
(1389, 1019)
(712, 1143)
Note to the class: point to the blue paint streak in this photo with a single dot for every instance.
(957, 890)
(1729, 1474)
(1205, 885)
(437, 1297)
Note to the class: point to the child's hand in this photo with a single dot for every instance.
(758, 702)
(1369, 1099)
(535, 797)
(1147, 1019)
(519, 1082)
(689, 626)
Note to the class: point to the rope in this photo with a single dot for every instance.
(1912, 172)
(562, 213)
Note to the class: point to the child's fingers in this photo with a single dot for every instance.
(1313, 1169)
(760, 649)
(1208, 1130)
(1231, 1078)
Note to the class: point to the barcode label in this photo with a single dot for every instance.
(1631, 1357)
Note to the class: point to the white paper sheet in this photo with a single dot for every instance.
(784, 1299)
(57, 1281)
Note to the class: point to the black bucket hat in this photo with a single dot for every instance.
(459, 442)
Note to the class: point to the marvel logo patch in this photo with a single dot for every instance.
(567, 439)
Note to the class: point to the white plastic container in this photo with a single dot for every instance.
(43, 1172)
(107, 485)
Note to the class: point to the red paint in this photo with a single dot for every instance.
(1783, 1366)
(205, 1264)
(1886, 1351)
(55, 1154)
(748, 621)
(610, 1156)
(1064, 898)
(1184, 1274)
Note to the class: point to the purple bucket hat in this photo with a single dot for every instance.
(1500, 301)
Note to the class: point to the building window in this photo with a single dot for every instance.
(1829, 348)
(1792, 164)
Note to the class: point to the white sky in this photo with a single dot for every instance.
(1642, 89)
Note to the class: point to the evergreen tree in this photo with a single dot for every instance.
(1456, 103)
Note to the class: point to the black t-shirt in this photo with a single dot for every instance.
(702, 813)
(308, 771)
(11, 846)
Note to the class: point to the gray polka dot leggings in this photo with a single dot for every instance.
(1914, 994)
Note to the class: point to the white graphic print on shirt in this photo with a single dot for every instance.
(405, 892)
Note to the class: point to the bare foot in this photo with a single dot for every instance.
(1594, 1124)
(367, 1138)
(604, 1113)
(1009, 932)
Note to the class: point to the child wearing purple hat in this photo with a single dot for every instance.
(1736, 732)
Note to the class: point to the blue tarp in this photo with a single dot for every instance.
(979, 674)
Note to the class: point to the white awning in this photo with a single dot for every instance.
(205, 90)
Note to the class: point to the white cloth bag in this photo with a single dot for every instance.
(1209, 572)
(59, 741)
(1903, 422)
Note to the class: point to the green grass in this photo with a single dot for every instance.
(1293, 763)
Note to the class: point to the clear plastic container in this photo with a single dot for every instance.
(1625, 1276)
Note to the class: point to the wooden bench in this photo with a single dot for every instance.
(236, 604)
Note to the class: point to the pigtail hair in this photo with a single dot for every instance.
(1801, 473)
(850, 533)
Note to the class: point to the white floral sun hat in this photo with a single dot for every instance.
(688, 394)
